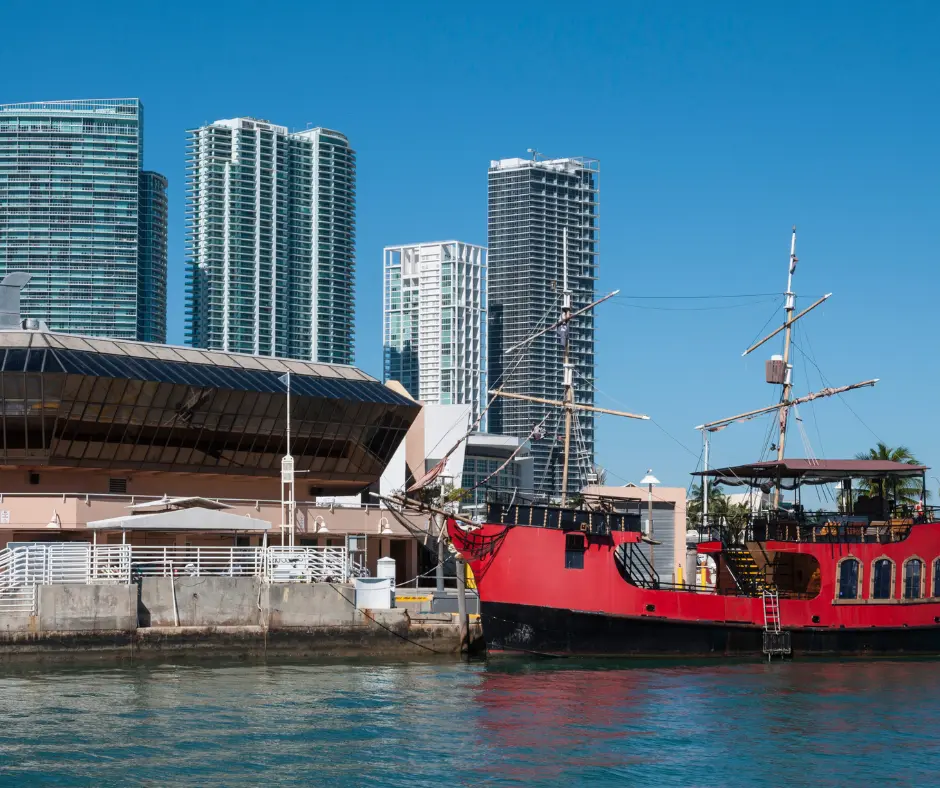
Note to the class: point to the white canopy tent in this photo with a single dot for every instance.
(187, 519)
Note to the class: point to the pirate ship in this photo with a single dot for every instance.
(863, 578)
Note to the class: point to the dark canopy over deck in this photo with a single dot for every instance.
(802, 471)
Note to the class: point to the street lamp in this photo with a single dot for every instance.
(650, 480)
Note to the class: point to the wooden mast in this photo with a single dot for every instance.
(567, 402)
(787, 371)
(567, 372)
(786, 398)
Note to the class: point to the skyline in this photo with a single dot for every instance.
(718, 130)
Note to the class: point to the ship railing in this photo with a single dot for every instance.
(824, 527)
(562, 518)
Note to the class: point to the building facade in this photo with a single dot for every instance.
(152, 256)
(81, 217)
(434, 326)
(531, 203)
(270, 241)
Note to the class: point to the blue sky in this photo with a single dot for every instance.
(717, 125)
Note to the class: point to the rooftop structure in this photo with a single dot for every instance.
(73, 401)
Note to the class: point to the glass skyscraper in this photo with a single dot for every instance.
(434, 304)
(270, 241)
(530, 204)
(80, 216)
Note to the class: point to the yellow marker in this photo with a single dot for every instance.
(471, 581)
(679, 575)
(412, 598)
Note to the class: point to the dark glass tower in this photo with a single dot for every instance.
(530, 204)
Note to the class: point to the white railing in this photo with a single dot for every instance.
(27, 565)
(273, 564)
(197, 561)
(52, 563)
(15, 596)
(307, 564)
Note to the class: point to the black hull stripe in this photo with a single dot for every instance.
(543, 631)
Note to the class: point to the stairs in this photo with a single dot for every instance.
(744, 569)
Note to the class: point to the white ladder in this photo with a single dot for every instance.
(771, 610)
(776, 642)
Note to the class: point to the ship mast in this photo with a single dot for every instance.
(567, 372)
(567, 403)
(780, 371)
(787, 369)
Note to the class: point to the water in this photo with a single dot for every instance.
(430, 724)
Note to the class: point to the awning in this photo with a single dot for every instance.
(814, 470)
(182, 520)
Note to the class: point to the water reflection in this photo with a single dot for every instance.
(534, 724)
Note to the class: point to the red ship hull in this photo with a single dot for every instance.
(531, 603)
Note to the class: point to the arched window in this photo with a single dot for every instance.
(936, 577)
(913, 578)
(849, 578)
(882, 579)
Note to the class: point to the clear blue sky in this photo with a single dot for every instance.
(717, 125)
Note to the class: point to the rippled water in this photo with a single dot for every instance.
(421, 724)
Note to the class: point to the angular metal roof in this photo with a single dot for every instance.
(149, 350)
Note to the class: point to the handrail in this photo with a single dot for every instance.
(637, 567)
(149, 497)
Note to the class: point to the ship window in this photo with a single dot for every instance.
(936, 577)
(913, 578)
(848, 578)
(574, 551)
(881, 579)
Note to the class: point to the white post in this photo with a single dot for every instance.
(705, 484)
(288, 499)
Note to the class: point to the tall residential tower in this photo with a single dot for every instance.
(270, 241)
(434, 303)
(81, 217)
(531, 202)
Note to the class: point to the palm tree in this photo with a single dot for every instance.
(906, 490)
(717, 505)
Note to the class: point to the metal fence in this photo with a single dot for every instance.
(306, 564)
(272, 564)
(15, 595)
(51, 563)
(173, 560)
(26, 565)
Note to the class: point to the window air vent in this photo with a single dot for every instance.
(117, 486)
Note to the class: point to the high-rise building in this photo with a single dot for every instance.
(531, 203)
(270, 241)
(434, 297)
(81, 217)
(152, 251)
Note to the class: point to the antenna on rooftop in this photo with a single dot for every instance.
(534, 152)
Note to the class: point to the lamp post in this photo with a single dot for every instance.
(649, 480)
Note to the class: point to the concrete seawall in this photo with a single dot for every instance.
(209, 617)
